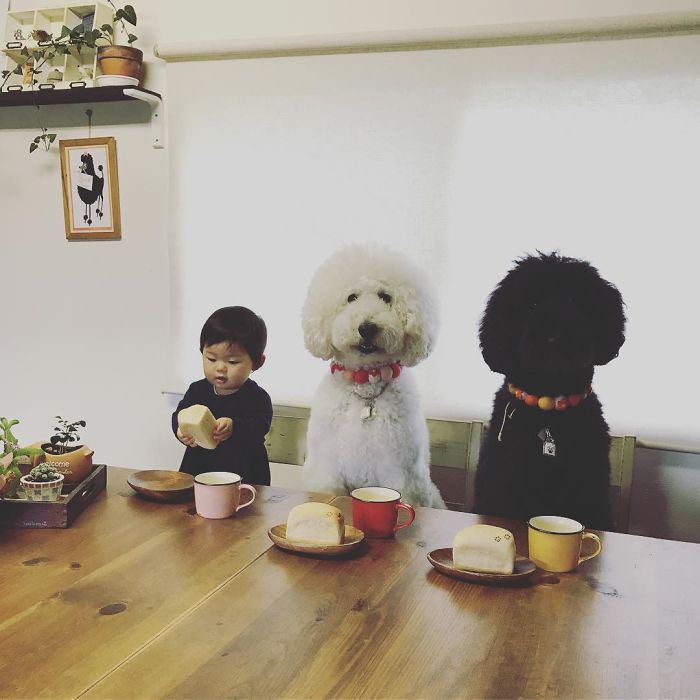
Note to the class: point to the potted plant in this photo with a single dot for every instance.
(73, 461)
(43, 483)
(117, 59)
(14, 458)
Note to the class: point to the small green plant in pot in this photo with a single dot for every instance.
(43, 483)
(65, 432)
(74, 461)
(119, 59)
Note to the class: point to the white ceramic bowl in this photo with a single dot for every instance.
(110, 80)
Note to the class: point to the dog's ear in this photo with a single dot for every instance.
(315, 320)
(498, 332)
(610, 323)
(420, 330)
(317, 338)
(415, 304)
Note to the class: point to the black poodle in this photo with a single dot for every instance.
(545, 326)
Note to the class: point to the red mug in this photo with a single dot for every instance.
(375, 511)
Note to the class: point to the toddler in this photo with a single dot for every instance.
(232, 344)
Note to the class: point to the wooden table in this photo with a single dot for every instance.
(75, 603)
(213, 611)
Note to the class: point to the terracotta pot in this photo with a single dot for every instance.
(75, 464)
(120, 60)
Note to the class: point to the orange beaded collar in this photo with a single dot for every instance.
(547, 403)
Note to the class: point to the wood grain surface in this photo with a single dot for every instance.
(384, 624)
(76, 602)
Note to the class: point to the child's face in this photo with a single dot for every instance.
(226, 366)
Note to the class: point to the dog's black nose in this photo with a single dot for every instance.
(368, 330)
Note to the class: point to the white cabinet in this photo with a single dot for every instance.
(25, 30)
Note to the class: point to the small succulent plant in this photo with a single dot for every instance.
(44, 472)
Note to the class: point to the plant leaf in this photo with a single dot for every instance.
(130, 14)
(32, 147)
(132, 38)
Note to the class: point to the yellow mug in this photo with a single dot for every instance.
(555, 543)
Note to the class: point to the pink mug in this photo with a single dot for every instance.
(375, 511)
(218, 494)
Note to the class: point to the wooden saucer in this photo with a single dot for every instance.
(162, 485)
(351, 540)
(441, 559)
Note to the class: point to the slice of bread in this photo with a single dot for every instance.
(198, 422)
(484, 548)
(315, 523)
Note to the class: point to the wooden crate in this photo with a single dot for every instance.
(19, 512)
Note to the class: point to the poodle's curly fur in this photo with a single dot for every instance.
(380, 290)
(546, 325)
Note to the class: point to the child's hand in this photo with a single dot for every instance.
(186, 439)
(222, 429)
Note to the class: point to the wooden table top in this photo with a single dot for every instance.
(209, 609)
(76, 602)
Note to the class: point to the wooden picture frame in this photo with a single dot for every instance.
(90, 189)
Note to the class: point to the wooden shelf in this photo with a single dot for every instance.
(26, 98)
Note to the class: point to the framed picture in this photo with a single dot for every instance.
(90, 189)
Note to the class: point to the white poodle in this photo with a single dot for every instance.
(373, 314)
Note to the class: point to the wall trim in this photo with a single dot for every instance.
(422, 39)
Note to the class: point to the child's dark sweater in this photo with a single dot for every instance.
(244, 452)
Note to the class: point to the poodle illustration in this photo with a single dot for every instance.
(374, 315)
(93, 195)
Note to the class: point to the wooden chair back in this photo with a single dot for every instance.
(454, 455)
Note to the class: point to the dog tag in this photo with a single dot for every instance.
(368, 411)
(549, 447)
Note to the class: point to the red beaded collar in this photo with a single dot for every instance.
(547, 403)
(372, 375)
